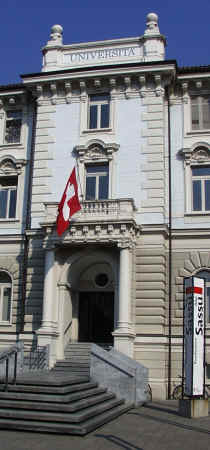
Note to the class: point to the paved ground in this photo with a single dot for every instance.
(156, 426)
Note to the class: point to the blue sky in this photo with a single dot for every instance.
(25, 28)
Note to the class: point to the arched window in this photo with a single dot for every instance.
(5, 296)
(206, 275)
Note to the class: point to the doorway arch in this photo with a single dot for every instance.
(92, 277)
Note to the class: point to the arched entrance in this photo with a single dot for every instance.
(90, 278)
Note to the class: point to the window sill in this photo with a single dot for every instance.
(18, 145)
(97, 130)
(197, 213)
(6, 220)
(195, 132)
(5, 324)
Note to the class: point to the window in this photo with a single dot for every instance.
(5, 296)
(8, 197)
(200, 107)
(97, 182)
(13, 127)
(206, 275)
(201, 188)
(99, 112)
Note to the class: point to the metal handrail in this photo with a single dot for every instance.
(6, 356)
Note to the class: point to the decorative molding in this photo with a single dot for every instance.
(39, 94)
(53, 89)
(142, 82)
(10, 166)
(159, 89)
(96, 150)
(185, 92)
(68, 90)
(199, 153)
(83, 90)
(127, 81)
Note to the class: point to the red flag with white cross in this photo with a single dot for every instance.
(68, 205)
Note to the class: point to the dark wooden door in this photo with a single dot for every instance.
(96, 317)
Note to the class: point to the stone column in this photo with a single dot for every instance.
(49, 291)
(64, 319)
(47, 333)
(124, 289)
(123, 336)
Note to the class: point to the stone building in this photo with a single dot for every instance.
(136, 127)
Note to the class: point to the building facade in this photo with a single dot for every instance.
(137, 129)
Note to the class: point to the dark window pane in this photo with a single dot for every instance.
(206, 113)
(3, 203)
(197, 205)
(6, 303)
(93, 117)
(199, 171)
(207, 195)
(104, 116)
(13, 128)
(4, 278)
(97, 168)
(16, 114)
(99, 98)
(90, 188)
(12, 205)
(195, 114)
(103, 187)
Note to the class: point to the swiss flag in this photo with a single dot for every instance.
(68, 205)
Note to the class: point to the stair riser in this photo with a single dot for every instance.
(49, 398)
(68, 429)
(76, 406)
(63, 418)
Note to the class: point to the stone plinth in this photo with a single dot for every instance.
(193, 408)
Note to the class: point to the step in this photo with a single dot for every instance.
(50, 379)
(75, 417)
(72, 370)
(50, 398)
(52, 389)
(63, 428)
(71, 363)
(66, 408)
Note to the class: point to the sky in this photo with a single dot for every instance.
(25, 28)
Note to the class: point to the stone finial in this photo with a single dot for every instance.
(152, 24)
(56, 35)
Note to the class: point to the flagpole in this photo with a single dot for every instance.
(79, 179)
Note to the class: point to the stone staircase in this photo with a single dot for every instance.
(62, 400)
(77, 359)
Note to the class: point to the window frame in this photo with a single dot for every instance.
(3, 286)
(9, 188)
(10, 119)
(98, 104)
(84, 111)
(202, 178)
(197, 156)
(97, 176)
(200, 112)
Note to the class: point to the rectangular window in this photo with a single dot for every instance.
(8, 197)
(201, 188)
(13, 127)
(200, 110)
(97, 182)
(99, 112)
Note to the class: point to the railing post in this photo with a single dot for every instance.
(15, 369)
(7, 374)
